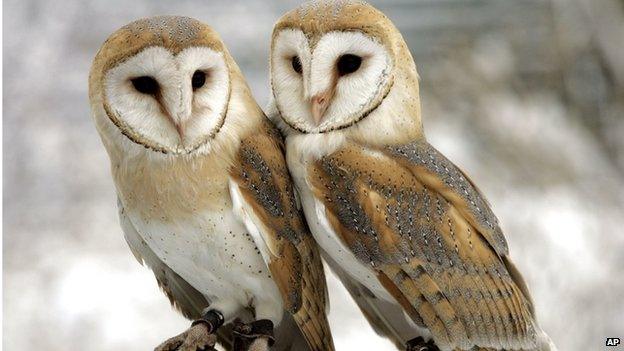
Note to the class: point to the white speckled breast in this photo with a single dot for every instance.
(213, 252)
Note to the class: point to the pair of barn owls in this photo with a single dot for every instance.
(233, 220)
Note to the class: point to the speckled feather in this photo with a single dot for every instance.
(182, 296)
(420, 224)
(296, 266)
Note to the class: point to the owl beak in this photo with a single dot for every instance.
(180, 128)
(177, 123)
(181, 122)
(177, 120)
(320, 103)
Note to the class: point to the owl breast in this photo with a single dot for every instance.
(211, 250)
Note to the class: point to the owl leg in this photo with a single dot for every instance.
(254, 336)
(200, 336)
(419, 344)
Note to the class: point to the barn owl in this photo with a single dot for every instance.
(205, 199)
(408, 233)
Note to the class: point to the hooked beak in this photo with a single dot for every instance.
(178, 123)
(179, 126)
(177, 109)
(320, 103)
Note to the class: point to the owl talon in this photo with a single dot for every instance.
(255, 336)
(173, 343)
(212, 319)
(199, 337)
(419, 344)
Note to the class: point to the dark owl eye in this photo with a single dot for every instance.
(348, 64)
(145, 85)
(198, 80)
(296, 64)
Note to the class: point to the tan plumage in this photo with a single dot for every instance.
(296, 263)
(427, 253)
(411, 229)
(179, 170)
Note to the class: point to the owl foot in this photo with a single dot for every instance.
(199, 337)
(419, 344)
(255, 336)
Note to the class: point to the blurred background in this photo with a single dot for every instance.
(526, 95)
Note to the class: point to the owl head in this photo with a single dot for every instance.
(164, 83)
(334, 63)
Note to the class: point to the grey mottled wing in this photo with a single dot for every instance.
(294, 259)
(413, 217)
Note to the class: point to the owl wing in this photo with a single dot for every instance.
(411, 215)
(182, 296)
(268, 200)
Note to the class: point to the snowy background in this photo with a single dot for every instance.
(527, 96)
